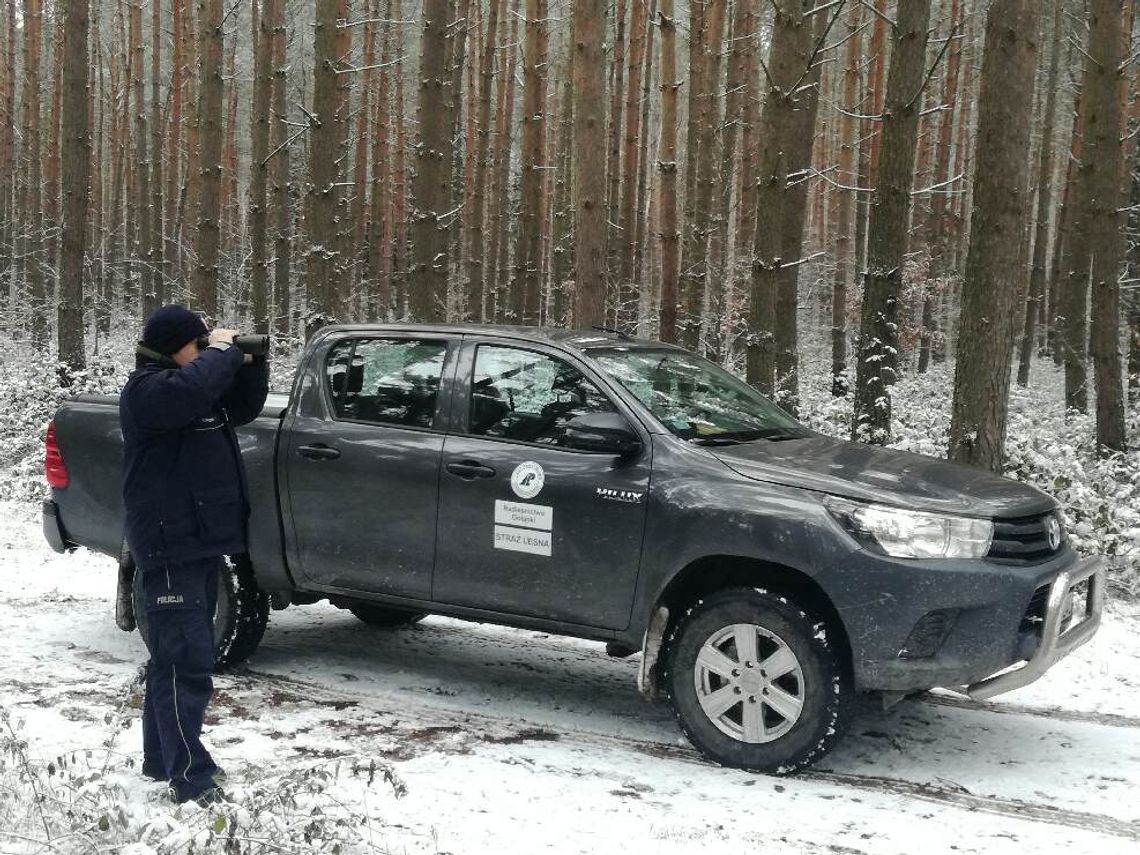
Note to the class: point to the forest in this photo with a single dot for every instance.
(882, 186)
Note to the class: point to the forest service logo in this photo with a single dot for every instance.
(527, 480)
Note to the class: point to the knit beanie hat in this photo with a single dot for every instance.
(169, 328)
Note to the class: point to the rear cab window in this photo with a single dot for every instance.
(386, 380)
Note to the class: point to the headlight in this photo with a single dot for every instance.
(912, 534)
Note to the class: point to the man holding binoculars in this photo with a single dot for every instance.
(185, 507)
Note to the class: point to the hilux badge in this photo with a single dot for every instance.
(527, 480)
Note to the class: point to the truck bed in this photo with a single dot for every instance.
(90, 508)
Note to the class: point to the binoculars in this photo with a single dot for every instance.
(254, 345)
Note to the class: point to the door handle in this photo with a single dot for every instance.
(469, 470)
(318, 452)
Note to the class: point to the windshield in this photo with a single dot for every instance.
(696, 399)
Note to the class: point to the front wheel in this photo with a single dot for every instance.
(756, 683)
(239, 619)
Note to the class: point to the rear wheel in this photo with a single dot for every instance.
(385, 616)
(239, 619)
(756, 683)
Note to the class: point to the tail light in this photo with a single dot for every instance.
(54, 468)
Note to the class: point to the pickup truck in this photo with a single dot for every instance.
(627, 491)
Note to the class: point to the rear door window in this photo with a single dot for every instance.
(386, 381)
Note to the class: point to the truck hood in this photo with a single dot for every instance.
(869, 473)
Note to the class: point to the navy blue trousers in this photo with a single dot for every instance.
(180, 601)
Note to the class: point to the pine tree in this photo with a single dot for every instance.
(328, 140)
(431, 183)
(1036, 296)
(877, 350)
(587, 36)
(75, 176)
(993, 269)
(667, 171)
(206, 273)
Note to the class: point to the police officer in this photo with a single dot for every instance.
(185, 503)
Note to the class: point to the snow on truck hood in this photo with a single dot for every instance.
(869, 473)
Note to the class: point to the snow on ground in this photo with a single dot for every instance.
(518, 741)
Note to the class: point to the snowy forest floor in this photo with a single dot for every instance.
(453, 737)
(514, 741)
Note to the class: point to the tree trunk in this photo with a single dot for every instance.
(500, 197)
(871, 132)
(432, 179)
(280, 164)
(172, 251)
(1036, 294)
(641, 208)
(51, 199)
(887, 226)
(156, 283)
(259, 167)
(8, 176)
(993, 269)
(1101, 166)
(524, 296)
(707, 103)
(30, 193)
(799, 158)
(627, 242)
(587, 36)
(379, 255)
(140, 221)
(325, 292)
(614, 239)
(361, 199)
(667, 170)
(938, 227)
(845, 201)
(478, 265)
(210, 163)
(562, 251)
(76, 170)
(788, 60)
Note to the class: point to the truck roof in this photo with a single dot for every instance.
(576, 338)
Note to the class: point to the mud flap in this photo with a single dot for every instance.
(124, 594)
(651, 650)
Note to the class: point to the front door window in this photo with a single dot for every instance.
(529, 397)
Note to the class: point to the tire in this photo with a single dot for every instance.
(386, 616)
(239, 619)
(782, 722)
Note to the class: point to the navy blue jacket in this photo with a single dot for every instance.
(184, 491)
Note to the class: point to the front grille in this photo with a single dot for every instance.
(1034, 618)
(1024, 540)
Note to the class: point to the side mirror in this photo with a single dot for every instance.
(607, 433)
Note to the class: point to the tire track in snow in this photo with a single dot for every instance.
(495, 730)
(1051, 713)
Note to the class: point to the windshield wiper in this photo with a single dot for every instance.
(717, 440)
(781, 434)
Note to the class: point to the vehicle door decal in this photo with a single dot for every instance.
(527, 480)
(521, 527)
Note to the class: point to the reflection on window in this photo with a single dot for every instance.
(529, 397)
(389, 381)
(694, 398)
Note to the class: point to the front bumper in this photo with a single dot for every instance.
(54, 532)
(1064, 629)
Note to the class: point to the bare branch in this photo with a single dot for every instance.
(866, 5)
(937, 188)
(933, 66)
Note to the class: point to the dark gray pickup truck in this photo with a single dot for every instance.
(594, 485)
